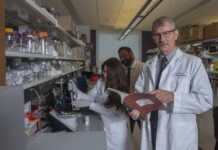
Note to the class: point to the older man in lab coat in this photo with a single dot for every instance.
(183, 87)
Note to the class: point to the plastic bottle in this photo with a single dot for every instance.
(9, 39)
(44, 42)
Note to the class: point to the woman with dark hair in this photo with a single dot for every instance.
(108, 104)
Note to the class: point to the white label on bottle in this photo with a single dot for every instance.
(143, 102)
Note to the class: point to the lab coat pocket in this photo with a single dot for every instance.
(179, 84)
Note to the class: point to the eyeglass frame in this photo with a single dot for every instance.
(163, 34)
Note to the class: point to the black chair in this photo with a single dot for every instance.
(215, 120)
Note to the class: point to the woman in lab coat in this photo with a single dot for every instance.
(108, 105)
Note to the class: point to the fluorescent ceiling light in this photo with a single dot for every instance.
(149, 7)
(122, 37)
(145, 10)
(127, 32)
(136, 22)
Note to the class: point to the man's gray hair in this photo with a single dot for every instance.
(159, 22)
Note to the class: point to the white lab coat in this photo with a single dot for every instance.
(115, 122)
(185, 75)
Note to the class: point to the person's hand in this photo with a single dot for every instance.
(134, 114)
(163, 96)
(80, 103)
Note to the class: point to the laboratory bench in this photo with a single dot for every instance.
(72, 133)
(67, 141)
(76, 122)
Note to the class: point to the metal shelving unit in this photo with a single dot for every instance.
(29, 85)
(38, 56)
(44, 14)
(40, 19)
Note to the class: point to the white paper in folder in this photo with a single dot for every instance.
(71, 123)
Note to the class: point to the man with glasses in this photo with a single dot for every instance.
(181, 83)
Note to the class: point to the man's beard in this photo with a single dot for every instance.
(127, 63)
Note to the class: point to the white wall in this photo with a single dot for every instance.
(108, 43)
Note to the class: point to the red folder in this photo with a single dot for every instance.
(142, 102)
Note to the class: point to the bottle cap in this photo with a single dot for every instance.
(9, 30)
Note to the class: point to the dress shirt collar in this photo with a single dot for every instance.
(133, 64)
(169, 56)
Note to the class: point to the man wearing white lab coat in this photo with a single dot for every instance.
(184, 90)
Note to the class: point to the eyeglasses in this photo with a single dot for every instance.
(165, 34)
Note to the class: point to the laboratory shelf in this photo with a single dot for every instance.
(66, 73)
(29, 85)
(28, 55)
(27, 12)
(71, 37)
(212, 72)
(41, 11)
(200, 42)
(39, 56)
(212, 53)
(62, 33)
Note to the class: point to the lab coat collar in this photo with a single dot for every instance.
(177, 55)
(152, 68)
(153, 63)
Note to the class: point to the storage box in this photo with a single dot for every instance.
(179, 40)
(211, 30)
(191, 33)
(67, 23)
(185, 34)
(196, 33)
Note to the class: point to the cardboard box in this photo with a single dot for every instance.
(191, 33)
(179, 40)
(185, 34)
(196, 33)
(211, 30)
(67, 23)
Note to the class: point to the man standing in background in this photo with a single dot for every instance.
(133, 69)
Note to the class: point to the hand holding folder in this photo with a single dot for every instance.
(142, 102)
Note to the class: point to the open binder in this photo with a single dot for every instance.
(142, 102)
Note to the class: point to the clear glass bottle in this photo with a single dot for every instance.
(30, 41)
(44, 42)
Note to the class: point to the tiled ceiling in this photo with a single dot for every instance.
(116, 14)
